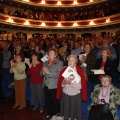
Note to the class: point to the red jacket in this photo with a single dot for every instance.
(83, 82)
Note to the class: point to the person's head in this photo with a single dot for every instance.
(32, 44)
(105, 42)
(18, 49)
(76, 45)
(106, 53)
(65, 45)
(4, 46)
(37, 48)
(19, 58)
(87, 47)
(72, 60)
(52, 53)
(35, 57)
(62, 51)
(106, 80)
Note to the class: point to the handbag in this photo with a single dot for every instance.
(100, 110)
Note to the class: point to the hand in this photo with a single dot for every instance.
(28, 63)
(102, 68)
(45, 70)
(12, 63)
(99, 102)
(83, 58)
(68, 81)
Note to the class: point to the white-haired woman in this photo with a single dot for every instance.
(71, 92)
(110, 94)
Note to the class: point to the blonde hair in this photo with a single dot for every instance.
(74, 56)
(108, 52)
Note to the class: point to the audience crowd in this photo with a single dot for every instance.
(98, 52)
(59, 16)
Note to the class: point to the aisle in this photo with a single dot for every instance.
(8, 113)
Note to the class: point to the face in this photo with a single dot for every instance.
(18, 58)
(105, 82)
(105, 42)
(34, 58)
(36, 48)
(104, 54)
(51, 55)
(18, 49)
(87, 48)
(4, 46)
(71, 62)
(76, 45)
(65, 46)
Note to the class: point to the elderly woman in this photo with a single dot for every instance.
(71, 92)
(110, 94)
(51, 70)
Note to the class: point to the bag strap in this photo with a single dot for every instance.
(103, 100)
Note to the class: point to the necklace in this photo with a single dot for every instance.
(105, 93)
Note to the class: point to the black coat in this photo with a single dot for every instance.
(1, 60)
(108, 68)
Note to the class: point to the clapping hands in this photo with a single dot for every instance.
(45, 70)
(12, 63)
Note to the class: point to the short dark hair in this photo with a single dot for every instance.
(35, 54)
(21, 56)
(88, 44)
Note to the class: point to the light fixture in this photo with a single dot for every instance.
(91, 0)
(75, 24)
(27, 23)
(75, 2)
(59, 3)
(59, 24)
(108, 20)
(91, 23)
(43, 24)
(26, 0)
(10, 20)
(43, 2)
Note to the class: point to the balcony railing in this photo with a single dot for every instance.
(16, 21)
(61, 3)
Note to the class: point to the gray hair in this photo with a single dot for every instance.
(74, 56)
(104, 76)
